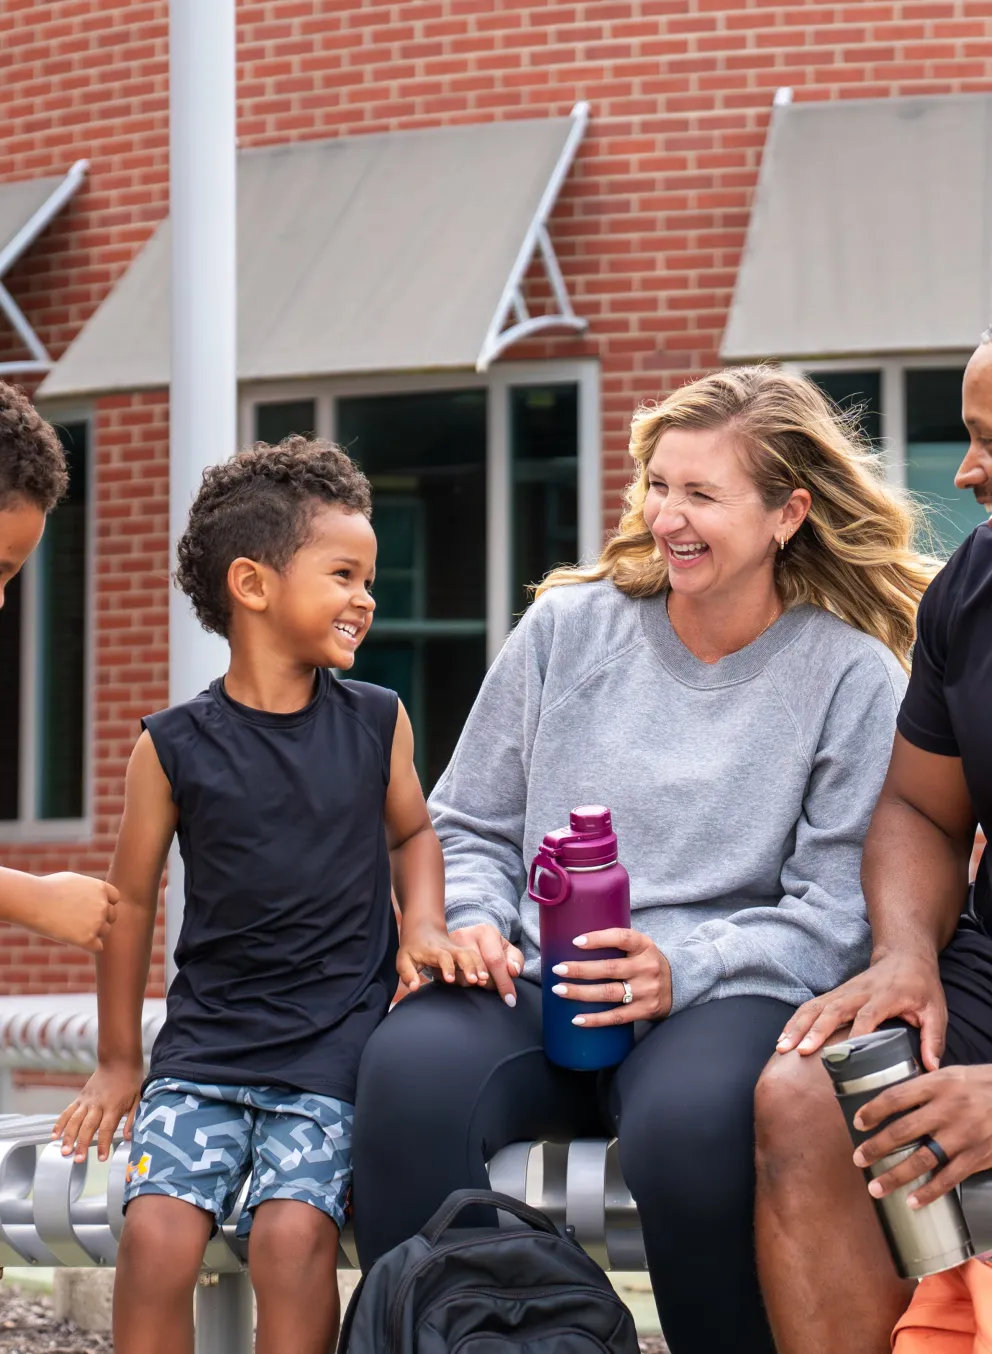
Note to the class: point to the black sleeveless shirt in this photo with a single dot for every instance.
(286, 957)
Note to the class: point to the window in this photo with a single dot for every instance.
(480, 484)
(856, 391)
(543, 441)
(425, 455)
(275, 421)
(912, 409)
(936, 442)
(43, 668)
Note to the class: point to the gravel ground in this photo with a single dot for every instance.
(28, 1326)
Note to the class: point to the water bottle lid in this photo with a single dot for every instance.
(868, 1053)
(587, 842)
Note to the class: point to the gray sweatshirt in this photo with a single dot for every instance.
(740, 790)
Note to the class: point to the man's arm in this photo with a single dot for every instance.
(146, 831)
(915, 864)
(915, 878)
(72, 908)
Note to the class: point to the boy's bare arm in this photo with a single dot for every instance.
(146, 832)
(418, 873)
(75, 909)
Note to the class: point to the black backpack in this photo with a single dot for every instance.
(496, 1290)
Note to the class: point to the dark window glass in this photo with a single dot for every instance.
(275, 421)
(544, 430)
(425, 455)
(10, 699)
(62, 577)
(861, 390)
(936, 442)
(933, 405)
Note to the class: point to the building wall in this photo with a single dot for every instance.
(649, 227)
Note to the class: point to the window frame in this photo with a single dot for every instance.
(893, 411)
(583, 372)
(27, 827)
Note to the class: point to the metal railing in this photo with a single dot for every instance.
(57, 1033)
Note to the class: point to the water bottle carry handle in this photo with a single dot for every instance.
(545, 862)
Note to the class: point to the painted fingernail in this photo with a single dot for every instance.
(806, 1043)
(561, 970)
(560, 990)
(578, 1020)
(580, 941)
(875, 1190)
(913, 1201)
(510, 1000)
(859, 1159)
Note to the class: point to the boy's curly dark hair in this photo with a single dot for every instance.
(260, 504)
(32, 460)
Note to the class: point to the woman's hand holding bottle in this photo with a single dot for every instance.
(643, 974)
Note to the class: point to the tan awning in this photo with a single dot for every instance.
(387, 252)
(871, 230)
(26, 208)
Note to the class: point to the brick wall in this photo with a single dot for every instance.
(649, 227)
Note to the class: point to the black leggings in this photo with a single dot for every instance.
(452, 1076)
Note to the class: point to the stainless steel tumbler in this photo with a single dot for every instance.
(922, 1240)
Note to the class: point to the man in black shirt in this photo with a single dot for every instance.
(828, 1280)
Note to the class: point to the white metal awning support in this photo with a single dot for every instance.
(25, 210)
(501, 335)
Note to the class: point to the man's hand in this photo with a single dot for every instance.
(501, 961)
(897, 987)
(110, 1094)
(76, 909)
(954, 1107)
(428, 947)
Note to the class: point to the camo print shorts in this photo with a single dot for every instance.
(201, 1143)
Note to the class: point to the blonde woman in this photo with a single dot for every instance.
(726, 679)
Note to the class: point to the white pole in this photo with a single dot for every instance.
(203, 391)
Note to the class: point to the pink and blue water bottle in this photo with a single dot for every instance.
(581, 886)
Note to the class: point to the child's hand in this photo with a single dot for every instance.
(109, 1095)
(429, 947)
(76, 909)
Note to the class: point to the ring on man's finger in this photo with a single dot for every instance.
(938, 1151)
(628, 994)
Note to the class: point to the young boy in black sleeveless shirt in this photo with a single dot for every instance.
(296, 804)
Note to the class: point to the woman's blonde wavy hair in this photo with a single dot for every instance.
(854, 554)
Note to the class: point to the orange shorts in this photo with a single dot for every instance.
(951, 1313)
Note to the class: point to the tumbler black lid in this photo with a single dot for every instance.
(868, 1053)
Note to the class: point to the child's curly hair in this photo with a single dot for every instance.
(32, 461)
(260, 504)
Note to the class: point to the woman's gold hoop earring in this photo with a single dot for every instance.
(783, 541)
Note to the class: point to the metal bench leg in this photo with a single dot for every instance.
(224, 1318)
